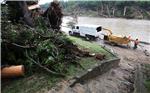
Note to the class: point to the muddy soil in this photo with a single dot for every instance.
(117, 80)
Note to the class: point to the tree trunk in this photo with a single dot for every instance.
(25, 13)
(124, 12)
(108, 11)
(18, 9)
(113, 12)
(101, 9)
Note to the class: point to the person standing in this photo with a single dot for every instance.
(136, 42)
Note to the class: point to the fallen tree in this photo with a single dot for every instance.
(38, 47)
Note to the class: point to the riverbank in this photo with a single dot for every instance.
(111, 9)
(119, 26)
(89, 13)
(123, 27)
(117, 80)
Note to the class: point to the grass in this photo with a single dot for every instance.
(42, 81)
(147, 84)
(87, 62)
(91, 46)
(30, 84)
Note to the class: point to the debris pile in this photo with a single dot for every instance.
(36, 47)
(42, 46)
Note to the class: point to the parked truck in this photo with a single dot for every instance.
(90, 32)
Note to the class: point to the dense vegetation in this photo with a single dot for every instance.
(38, 46)
(125, 9)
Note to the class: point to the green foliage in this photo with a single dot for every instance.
(47, 51)
(50, 48)
(91, 46)
(147, 84)
(85, 7)
(38, 82)
(144, 4)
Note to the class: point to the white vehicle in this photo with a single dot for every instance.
(88, 31)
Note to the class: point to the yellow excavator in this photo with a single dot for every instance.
(114, 39)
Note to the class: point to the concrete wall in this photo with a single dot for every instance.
(97, 69)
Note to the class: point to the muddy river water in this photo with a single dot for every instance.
(135, 28)
(119, 79)
(123, 27)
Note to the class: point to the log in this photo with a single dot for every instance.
(12, 71)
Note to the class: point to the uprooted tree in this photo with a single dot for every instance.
(39, 46)
(54, 14)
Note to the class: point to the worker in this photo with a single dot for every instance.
(136, 42)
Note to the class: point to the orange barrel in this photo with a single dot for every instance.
(12, 71)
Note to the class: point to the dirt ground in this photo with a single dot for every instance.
(117, 80)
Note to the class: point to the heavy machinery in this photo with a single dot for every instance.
(114, 39)
(93, 32)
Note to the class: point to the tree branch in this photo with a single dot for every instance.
(17, 45)
(43, 67)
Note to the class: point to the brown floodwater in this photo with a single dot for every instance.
(125, 27)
